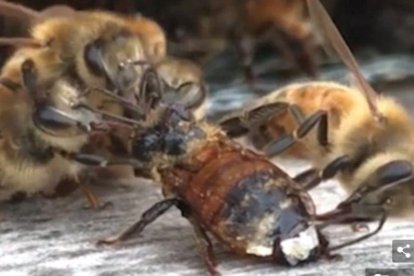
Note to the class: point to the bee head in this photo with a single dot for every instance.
(385, 188)
(114, 58)
(389, 188)
(173, 129)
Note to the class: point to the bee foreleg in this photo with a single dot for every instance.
(149, 216)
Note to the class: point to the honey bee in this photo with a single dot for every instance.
(289, 30)
(106, 51)
(236, 194)
(37, 123)
(97, 49)
(244, 25)
(94, 49)
(362, 137)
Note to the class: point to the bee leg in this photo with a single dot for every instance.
(324, 243)
(93, 200)
(238, 124)
(311, 178)
(308, 179)
(319, 119)
(96, 160)
(203, 242)
(338, 164)
(359, 227)
(149, 216)
(381, 223)
(205, 248)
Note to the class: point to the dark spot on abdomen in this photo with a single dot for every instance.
(256, 199)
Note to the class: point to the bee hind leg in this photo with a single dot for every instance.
(203, 242)
(149, 216)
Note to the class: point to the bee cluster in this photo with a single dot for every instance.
(90, 89)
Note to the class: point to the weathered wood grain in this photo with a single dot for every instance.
(57, 237)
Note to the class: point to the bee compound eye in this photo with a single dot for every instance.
(93, 57)
(393, 172)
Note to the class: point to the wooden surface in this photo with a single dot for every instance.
(57, 237)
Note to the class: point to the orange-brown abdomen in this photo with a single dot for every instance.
(234, 193)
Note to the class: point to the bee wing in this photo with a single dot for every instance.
(238, 124)
(322, 19)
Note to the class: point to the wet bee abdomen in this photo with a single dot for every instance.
(246, 202)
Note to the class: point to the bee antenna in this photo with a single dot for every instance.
(122, 100)
(108, 115)
(324, 22)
